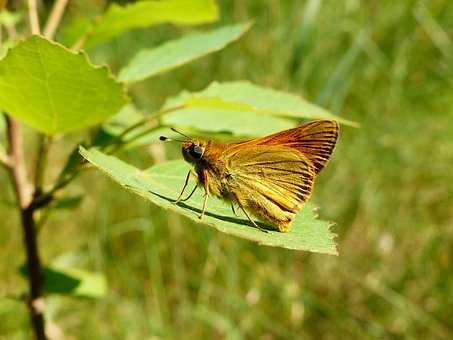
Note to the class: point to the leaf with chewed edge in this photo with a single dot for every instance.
(161, 184)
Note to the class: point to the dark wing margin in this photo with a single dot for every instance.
(315, 140)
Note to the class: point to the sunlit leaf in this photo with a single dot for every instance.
(161, 185)
(236, 122)
(54, 90)
(172, 54)
(245, 97)
(118, 20)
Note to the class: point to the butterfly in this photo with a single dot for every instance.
(269, 177)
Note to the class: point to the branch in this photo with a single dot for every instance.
(17, 163)
(23, 193)
(33, 17)
(54, 19)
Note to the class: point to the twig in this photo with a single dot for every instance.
(114, 148)
(54, 18)
(41, 162)
(148, 119)
(23, 193)
(16, 156)
(33, 17)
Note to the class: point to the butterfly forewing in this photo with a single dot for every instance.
(315, 140)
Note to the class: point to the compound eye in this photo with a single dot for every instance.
(196, 151)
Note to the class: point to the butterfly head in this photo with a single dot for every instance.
(192, 149)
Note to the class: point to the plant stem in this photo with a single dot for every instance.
(36, 303)
(17, 163)
(24, 194)
(153, 118)
(24, 197)
(41, 162)
(33, 17)
(54, 18)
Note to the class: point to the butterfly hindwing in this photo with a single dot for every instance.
(273, 181)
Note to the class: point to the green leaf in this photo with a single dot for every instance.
(118, 20)
(54, 90)
(161, 184)
(128, 115)
(172, 54)
(245, 97)
(235, 122)
(72, 281)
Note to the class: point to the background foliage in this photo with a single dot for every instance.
(385, 64)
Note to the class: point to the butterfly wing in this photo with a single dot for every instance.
(315, 140)
(273, 176)
(271, 181)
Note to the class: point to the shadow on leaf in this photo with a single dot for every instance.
(217, 216)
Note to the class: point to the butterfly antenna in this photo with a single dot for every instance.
(174, 130)
(166, 139)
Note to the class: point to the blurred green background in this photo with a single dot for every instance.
(385, 64)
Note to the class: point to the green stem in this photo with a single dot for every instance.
(41, 162)
(149, 119)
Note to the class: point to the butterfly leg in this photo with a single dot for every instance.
(234, 211)
(203, 209)
(252, 221)
(205, 201)
(179, 199)
(188, 197)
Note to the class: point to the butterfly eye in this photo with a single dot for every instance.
(196, 151)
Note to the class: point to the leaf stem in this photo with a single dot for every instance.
(33, 17)
(54, 19)
(117, 147)
(148, 119)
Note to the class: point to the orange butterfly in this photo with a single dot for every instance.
(270, 177)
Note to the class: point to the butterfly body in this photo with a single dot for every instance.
(270, 177)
